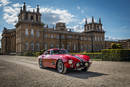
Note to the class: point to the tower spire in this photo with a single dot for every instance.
(92, 19)
(37, 8)
(24, 7)
(20, 9)
(86, 21)
(99, 20)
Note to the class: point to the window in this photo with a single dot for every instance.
(51, 46)
(81, 47)
(88, 27)
(36, 17)
(57, 36)
(38, 33)
(32, 46)
(45, 46)
(74, 47)
(45, 35)
(62, 37)
(57, 46)
(32, 32)
(31, 18)
(52, 36)
(26, 32)
(97, 27)
(37, 46)
(69, 36)
(26, 46)
(62, 46)
(68, 47)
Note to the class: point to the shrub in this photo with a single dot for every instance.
(116, 46)
(28, 53)
(38, 53)
(116, 54)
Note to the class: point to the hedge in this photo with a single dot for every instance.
(116, 54)
(92, 55)
(33, 53)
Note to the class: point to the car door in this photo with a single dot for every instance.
(46, 59)
(53, 60)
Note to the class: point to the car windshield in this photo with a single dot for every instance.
(59, 52)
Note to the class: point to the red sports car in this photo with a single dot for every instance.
(61, 60)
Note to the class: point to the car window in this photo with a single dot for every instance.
(59, 52)
(47, 53)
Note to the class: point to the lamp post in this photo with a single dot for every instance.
(59, 40)
(91, 43)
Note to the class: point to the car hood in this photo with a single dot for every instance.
(77, 57)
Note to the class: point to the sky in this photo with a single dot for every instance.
(114, 14)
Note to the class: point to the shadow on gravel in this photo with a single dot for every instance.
(84, 75)
(80, 74)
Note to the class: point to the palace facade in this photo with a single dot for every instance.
(31, 35)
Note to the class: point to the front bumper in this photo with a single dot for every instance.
(82, 65)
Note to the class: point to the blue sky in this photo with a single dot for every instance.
(115, 14)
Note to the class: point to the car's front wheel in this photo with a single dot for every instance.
(61, 68)
(85, 69)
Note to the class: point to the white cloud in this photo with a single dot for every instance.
(109, 38)
(4, 2)
(77, 28)
(49, 15)
(52, 16)
(11, 12)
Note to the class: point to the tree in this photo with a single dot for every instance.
(116, 46)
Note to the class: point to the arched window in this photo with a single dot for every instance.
(32, 32)
(37, 18)
(31, 18)
(32, 46)
(26, 32)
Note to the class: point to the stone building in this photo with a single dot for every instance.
(31, 35)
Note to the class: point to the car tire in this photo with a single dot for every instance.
(61, 68)
(41, 64)
(85, 69)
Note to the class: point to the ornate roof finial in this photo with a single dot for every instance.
(24, 7)
(99, 20)
(37, 8)
(86, 21)
(92, 19)
(20, 9)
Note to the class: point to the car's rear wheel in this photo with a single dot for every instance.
(61, 68)
(41, 64)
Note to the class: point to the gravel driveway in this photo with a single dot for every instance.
(20, 71)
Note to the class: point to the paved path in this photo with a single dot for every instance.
(20, 71)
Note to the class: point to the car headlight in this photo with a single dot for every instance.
(70, 61)
(77, 65)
